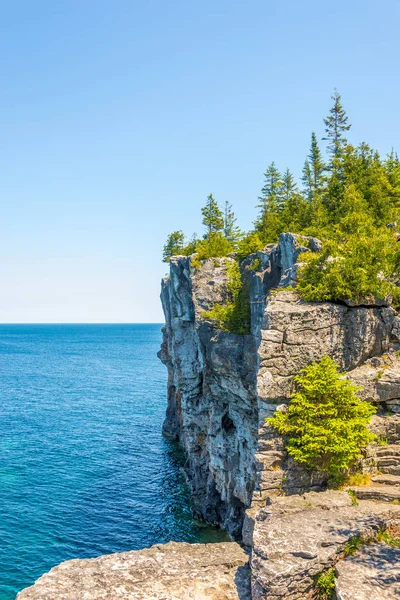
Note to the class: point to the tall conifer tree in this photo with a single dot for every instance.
(231, 231)
(213, 218)
(336, 126)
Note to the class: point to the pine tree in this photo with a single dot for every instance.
(392, 166)
(336, 125)
(271, 192)
(317, 166)
(231, 231)
(213, 218)
(174, 245)
(307, 180)
(294, 207)
(289, 186)
(326, 424)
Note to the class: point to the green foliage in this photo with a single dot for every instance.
(336, 126)
(325, 423)
(250, 244)
(214, 245)
(314, 171)
(255, 264)
(325, 585)
(174, 245)
(213, 218)
(355, 266)
(353, 545)
(231, 231)
(350, 200)
(382, 441)
(358, 479)
(353, 497)
(234, 315)
(389, 538)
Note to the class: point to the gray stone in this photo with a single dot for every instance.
(297, 537)
(174, 571)
(373, 573)
(222, 386)
(384, 493)
(379, 380)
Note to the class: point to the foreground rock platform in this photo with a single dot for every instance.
(297, 537)
(371, 574)
(174, 571)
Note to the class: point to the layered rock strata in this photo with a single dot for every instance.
(222, 386)
(298, 537)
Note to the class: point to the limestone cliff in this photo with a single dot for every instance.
(221, 386)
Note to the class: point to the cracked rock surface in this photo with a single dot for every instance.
(174, 571)
(371, 574)
(297, 537)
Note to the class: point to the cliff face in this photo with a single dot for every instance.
(221, 386)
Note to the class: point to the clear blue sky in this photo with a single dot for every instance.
(118, 118)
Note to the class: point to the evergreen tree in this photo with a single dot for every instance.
(289, 186)
(271, 192)
(174, 245)
(268, 223)
(293, 215)
(317, 166)
(336, 125)
(326, 423)
(213, 218)
(231, 231)
(392, 166)
(307, 180)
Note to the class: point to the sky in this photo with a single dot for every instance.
(117, 119)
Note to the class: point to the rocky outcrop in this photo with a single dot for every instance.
(298, 537)
(222, 386)
(212, 393)
(173, 571)
(371, 574)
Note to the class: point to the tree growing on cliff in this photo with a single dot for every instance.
(213, 218)
(232, 231)
(174, 245)
(326, 423)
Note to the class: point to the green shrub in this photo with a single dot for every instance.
(353, 545)
(389, 537)
(255, 264)
(353, 497)
(325, 585)
(354, 267)
(249, 245)
(213, 246)
(234, 316)
(325, 423)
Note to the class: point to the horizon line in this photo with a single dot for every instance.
(82, 323)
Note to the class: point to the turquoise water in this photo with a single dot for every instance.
(84, 469)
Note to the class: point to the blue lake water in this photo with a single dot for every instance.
(84, 469)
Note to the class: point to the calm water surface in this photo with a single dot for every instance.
(84, 469)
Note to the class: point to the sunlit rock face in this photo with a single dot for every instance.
(222, 386)
(174, 571)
